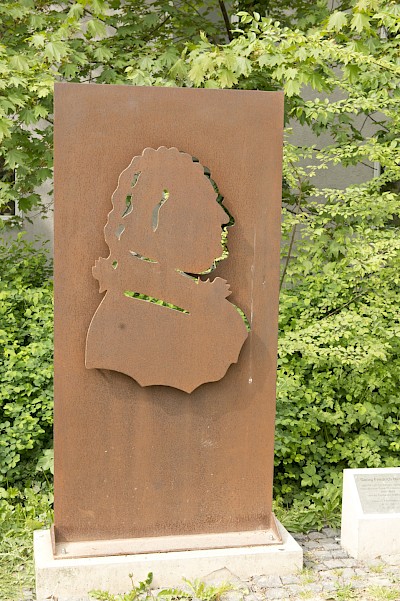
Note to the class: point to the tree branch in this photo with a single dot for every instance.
(152, 32)
(226, 19)
(288, 256)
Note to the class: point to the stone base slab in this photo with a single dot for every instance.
(74, 578)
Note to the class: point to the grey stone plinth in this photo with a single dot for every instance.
(74, 578)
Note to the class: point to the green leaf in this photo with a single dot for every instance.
(243, 66)
(168, 58)
(28, 116)
(95, 28)
(302, 54)
(76, 11)
(19, 63)
(98, 6)
(55, 51)
(5, 126)
(70, 70)
(179, 69)
(102, 53)
(211, 84)
(317, 81)
(227, 78)
(351, 72)
(38, 40)
(292, 87)
(15, 157)
(291, 73)
(46, 461)
(267, 59)
(359, 22)
(40, 111)
(197, 73)
(337, 21)
(146, 63)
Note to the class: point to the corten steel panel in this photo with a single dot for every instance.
(156, 461)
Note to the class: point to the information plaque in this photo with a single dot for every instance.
(379, 493)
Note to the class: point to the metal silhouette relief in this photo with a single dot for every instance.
(160, 321)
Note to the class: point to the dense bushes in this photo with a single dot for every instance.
(338, 400)
(26, 360)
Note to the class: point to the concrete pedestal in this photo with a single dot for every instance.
(373, 529)
(74, 578)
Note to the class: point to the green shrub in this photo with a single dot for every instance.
(338, 402)
(26, 360)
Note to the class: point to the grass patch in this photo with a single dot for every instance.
(307, 576)
(141, 591)
(377, 569)
(20, 515)
(383, 593)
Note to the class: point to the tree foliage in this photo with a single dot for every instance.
(41, 42)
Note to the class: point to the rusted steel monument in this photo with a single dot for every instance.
(167, 221)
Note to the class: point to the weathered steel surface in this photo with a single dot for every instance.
(156, 461)
(165, 222)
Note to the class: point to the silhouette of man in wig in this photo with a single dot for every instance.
(159, 322)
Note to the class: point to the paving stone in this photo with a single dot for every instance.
(348, 573)
(276, 593)
(329, 541)
(315, 536)
(233, 596)
(328, 586)
(321, 555)
(339, 554)
(328, 575)
(268, 582)
(393, 560)
(300, 537)
(332, 532)
(70, 598)
(373, 563)
(253, 597)
(314, 587)
(379, 581)
(320, 567)
(331, 547)
(294, 589)
(290, 579)
(309, 544)
(349, 562)
(334, 564)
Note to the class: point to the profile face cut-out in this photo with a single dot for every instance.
(159, 322)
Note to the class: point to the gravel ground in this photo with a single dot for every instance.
(329, 574)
